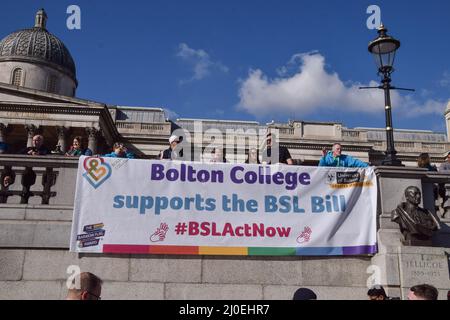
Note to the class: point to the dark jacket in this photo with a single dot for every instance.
(42, 151)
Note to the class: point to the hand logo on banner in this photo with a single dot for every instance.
(97, 171)
(160, 233)
(305, 236)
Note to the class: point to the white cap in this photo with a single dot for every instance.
(174, 138)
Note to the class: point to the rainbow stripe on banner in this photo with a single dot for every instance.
(239, 251)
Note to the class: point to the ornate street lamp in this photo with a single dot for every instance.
(383, 49)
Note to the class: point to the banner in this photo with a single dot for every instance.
(171, 207)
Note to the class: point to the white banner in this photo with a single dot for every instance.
(171, 207)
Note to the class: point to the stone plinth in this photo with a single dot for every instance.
(402, 267)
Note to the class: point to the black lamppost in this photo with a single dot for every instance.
(383, 49)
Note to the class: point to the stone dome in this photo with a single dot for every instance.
(37, 45)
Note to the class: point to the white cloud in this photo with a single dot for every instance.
(310, 88)
(414, 108)
(445, 81)
(201, 63)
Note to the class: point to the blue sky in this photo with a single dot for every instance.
(253, 60)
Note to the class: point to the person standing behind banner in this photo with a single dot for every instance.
(218, 155)
(284, 156)
(335, 158)
(170, 153)
(119, 151)
(38, 148)
(253, 156)
(77, 150)
(424, 161)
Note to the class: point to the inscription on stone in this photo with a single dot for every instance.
(424, 268)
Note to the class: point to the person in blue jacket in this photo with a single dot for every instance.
(335, 158)
(119, 151)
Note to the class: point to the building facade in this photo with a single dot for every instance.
(38, 95)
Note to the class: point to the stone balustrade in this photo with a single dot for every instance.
(143, 128)
(354, 135)
(43, 180)
(416, 147)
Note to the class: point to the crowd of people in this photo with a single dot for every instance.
(88, 286)
(332, 158)
(77, 148)
(377, 292)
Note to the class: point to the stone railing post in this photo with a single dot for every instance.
(93, 134)
(62, 138)
(31, 131)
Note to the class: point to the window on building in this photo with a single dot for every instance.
(17, 77)
(52, 84)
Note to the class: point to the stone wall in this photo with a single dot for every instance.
(36, 76)
(42, 274)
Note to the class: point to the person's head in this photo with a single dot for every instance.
(119, 148)
(413, 195)
(218, 154)
(337, 150)
(173, 141)
(90, 287)
(77, 142)
(423, 292)
(7, 181)
(423, 160)
(253, 155)
(377, 293)
(38, 141)
(304, 294)
(269, 139)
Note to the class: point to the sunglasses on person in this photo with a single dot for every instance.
(94, 295)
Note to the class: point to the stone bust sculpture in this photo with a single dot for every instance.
(416, 224)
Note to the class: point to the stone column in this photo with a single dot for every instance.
(32, 131)
(92, 139)
(62, 138)
(3, 129)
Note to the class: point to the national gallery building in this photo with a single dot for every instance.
(38, 82)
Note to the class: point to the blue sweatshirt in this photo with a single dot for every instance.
(341, 161)
(128, 155)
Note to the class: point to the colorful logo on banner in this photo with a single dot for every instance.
(347, 179)
(97, 171)
(92, 235)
